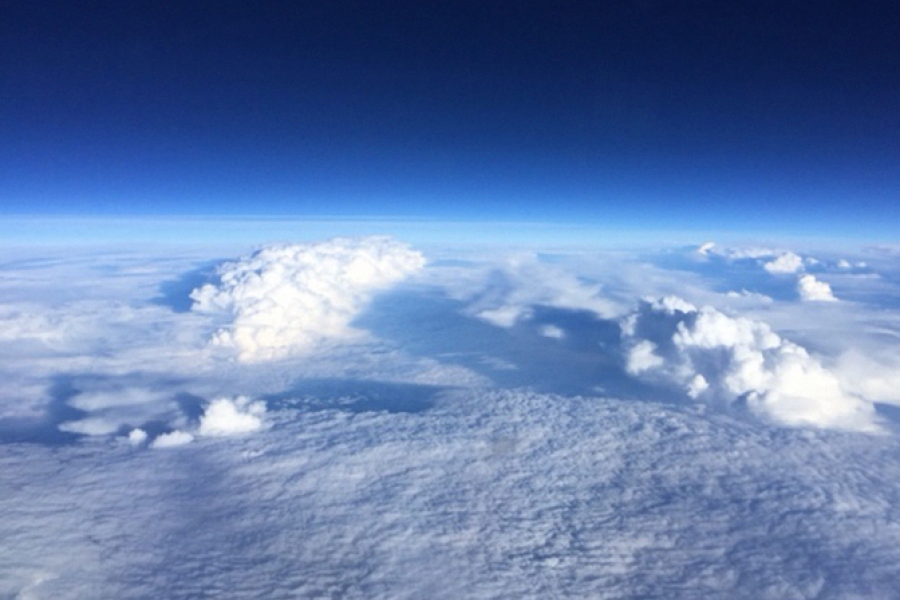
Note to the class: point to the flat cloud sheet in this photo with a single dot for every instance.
(345, 419)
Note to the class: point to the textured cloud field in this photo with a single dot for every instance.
(360, 418)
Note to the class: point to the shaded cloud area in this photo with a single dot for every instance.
(710, 355)
(282, 300)
(507, 293)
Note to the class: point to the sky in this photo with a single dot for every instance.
(746, 116)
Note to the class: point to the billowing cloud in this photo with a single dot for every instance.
(172, 439)
(811, 288)
(283, 299)
(715, 357)
(787, 262)
(226, 416)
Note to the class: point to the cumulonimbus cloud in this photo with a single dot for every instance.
(715, 357)
(284, 299)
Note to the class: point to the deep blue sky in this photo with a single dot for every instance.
(741, 114)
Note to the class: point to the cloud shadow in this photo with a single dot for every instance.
(176, 293)
(585, 360)
(45, 430)
(356, 396)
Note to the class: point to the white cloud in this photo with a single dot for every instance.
(716, 357)
(172, 439)
(552, 331)
(874, 372)
(812, 289)
(754, 297)
(284, 299)
(90, 426)
(706, 248)
(787, 262)
(709, 248)
(137, 436)
(225, 416)
(642, 357)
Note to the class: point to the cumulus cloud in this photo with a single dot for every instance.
(812, 289)
(172, 439)
(137, 436)
(226, 416)
(787, 262)
(283, 299)
(715, 357)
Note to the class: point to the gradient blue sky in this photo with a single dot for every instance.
(742, 115)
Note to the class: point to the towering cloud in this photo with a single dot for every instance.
(283, 299)
(714, 357)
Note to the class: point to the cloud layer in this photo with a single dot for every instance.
(712, 356)
(402, 466)
(284, 299)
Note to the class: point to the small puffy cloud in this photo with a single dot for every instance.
(172, 439)
(137, 436)
(787, 262)
(503, 316)
(715, 357)
(284, 299)
(811, 289)
(552, 331)
(226, 416)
